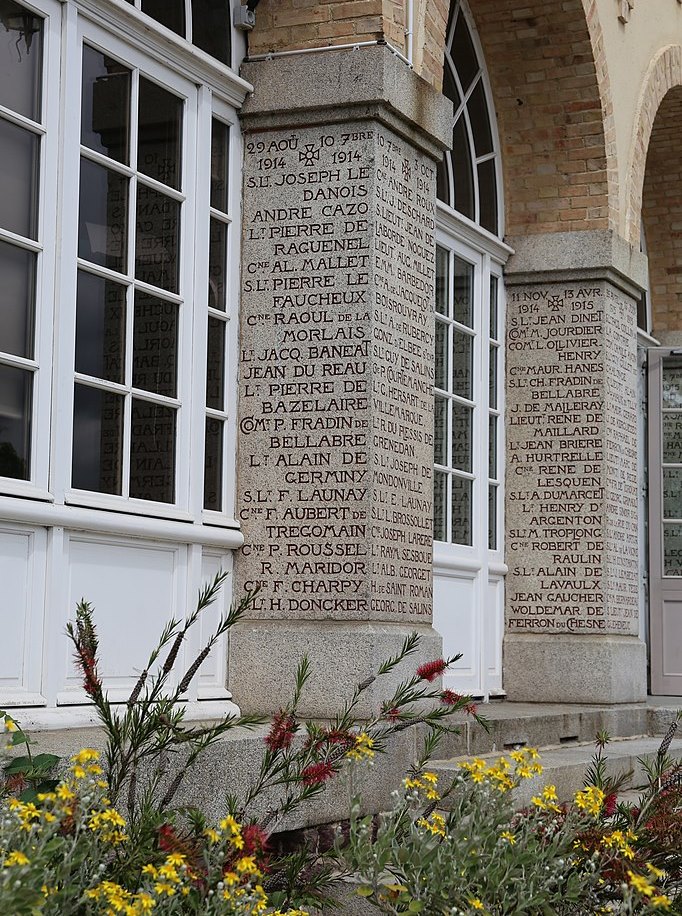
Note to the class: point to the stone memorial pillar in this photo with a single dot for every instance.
(572, 627)
(336, 371)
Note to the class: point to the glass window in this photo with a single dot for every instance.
(207, 25)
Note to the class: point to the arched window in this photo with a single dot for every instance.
(467, 176)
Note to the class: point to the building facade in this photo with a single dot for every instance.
(375, 304)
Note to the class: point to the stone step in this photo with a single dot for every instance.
(564, 766)
(548, 725)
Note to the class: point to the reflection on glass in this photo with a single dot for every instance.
(155, 344)
(492, 518)
(213, 465)
(672, 438)
(672, 382)
(19, 156)
(461, 511)
(440, 512)
(480, 121)
(461, 437)
(462, 363)
(21, 55)
(158, 239)
(152, 452)
(672, 550)
(492, 447)
(170, 13)
(15, 422)
(220, 137)
(462, 170)
(492, 369)
(215, 368)
(105, 105)
(493, 308)
(17, 300)
(450, 89)
(442, 283)
(440, 424)
(97, 440)
(100, 327)
(211, 28)
(159, 134)
(217, 266)
(464, 292)
(487, 195)
(441, 364)
(102, 216)
(672, 492)
(463, 53)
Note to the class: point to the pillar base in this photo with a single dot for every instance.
(264, 656)
(575, 669)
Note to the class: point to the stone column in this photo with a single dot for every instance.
(572, 476)
(336, 370)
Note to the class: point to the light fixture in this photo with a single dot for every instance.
(25, 23)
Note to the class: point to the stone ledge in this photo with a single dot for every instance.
(337, 86)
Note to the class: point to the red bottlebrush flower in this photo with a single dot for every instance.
(340, 737)
(281, 732)
(471, 709)
(88, 665)
(392, 714)
(255, 840)
(317, 773)
(610, 804)
(429, 671)
(168, 838)
(450, 698)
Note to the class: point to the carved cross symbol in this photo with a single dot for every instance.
(626, 7)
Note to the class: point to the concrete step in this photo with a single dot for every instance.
(565, 765)
(548, 725)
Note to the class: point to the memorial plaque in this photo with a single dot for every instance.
(571, 460)
(336, 375)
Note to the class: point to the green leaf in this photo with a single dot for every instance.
(18, 765)
(416, 906)
(364, 890)
(45, 761)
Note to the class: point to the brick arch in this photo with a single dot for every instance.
(664, 74)
(547, 70)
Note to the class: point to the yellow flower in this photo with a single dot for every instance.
(656, 872)
(435, 825)
(10, 725)
(145, 902)
(640, 884)
(363, 748)
(149, 870)
(176, 858)
(16, 857)
(590, 799)
(247, 865)
(162, 887)
(86, 755)
(64, 793)
(549, 794)
(660, 900)
(476, 904)
(212, 835)
(509, 837)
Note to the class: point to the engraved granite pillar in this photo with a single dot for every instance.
(336, 370)
(572, 623)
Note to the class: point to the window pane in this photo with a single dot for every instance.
(15, 422)
(672, 383)
(21, 53)
(155, 344)
(461, 437)
(19, 155)
(215, 372)
(462, 364)
(105, 105)
(480, 120)
(217, 266)
(170, 13)
(152, 452)
(462, 171)
(158, 239)
(492, 447)
(450, 89)
(463, 53)
(464, 292)
(492, 387)
(672, 492)
(492, 518)
(211, 28)
(100, 327)
(672, 550)
(102, 228)
(440, 437)
(442, 279)
(493, 308)
(159, 134)
(443, 182)
(97, 440)
(213, 465)
(440, 517)
(220, 136)
(487, 196)
(441, 376)
(672, 438)
(17, 300)
(461, 511)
